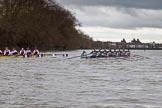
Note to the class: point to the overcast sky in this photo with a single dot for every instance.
(112, 20)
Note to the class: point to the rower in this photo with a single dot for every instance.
(114, 53)
(6, 51)
(110, 50)
(1, 53)
(28, 53)
(119, 52)
(94, 51)
(99, 53)
(105, 52)
(35, 52)
(22, 51)
(13, 52)
(109, 53)
(127, 53)
(84, 53)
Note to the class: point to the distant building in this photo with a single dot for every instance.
(135, 43)
(123, 41)
(153, 45)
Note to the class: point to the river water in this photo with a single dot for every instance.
(134, 82)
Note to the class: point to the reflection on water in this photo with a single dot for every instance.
(134, 82)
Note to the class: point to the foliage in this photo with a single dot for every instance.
(45, 24)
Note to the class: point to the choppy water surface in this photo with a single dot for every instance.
(134, 82)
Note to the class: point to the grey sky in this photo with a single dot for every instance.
(119, 15)
(118, 18)
(144, 4)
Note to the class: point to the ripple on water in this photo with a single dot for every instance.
(133, 82)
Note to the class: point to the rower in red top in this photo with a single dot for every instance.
(1, 53)
(28, 52)
(13, 52)
(7, 51)
(22, 51)
(35, 52)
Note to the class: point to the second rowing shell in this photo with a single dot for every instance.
(21, 56)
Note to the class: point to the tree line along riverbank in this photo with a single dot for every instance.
(41, 23)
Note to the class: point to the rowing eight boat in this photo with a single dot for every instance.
(34, 56)
(105, 55)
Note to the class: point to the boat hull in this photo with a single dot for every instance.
(17, 56)
(109, 55)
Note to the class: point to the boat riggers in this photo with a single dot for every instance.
(106, 53)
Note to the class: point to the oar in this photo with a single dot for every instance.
(74, 57)
(62, 55)
(77, 56)
(50, 54)
(59, 54)
(47, 54)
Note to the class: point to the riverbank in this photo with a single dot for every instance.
(145, 48)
